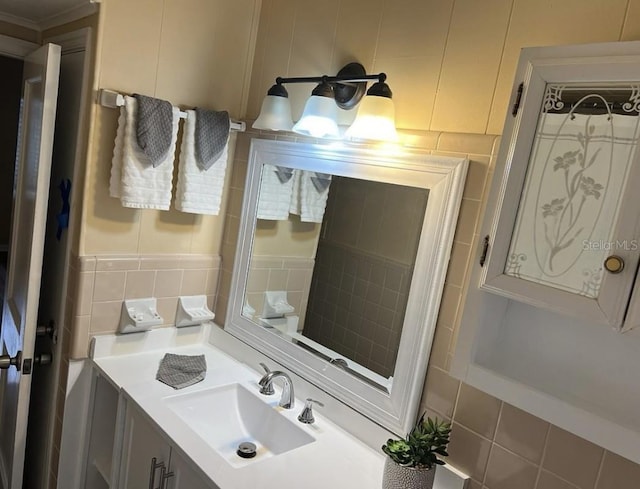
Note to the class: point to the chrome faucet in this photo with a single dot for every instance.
(287, 400)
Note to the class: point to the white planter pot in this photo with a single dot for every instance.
(398, 477)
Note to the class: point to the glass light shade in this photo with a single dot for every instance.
(319, 118)
(375, 120)
(275, 114)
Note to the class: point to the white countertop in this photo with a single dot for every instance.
(334, 459)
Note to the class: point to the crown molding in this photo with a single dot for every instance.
(19, 21)
(16, 48)
(69, 15)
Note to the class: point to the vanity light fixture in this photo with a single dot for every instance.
(375, 118)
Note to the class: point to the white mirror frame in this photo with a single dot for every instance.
(444, 178)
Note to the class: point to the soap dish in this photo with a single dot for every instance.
(193, 310)
(139, 315)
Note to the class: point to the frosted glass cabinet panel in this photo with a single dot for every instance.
(565, 236)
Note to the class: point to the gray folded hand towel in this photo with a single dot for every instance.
(212, 134)
(179, 371)
(154, 127)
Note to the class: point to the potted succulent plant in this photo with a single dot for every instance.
(412, 460)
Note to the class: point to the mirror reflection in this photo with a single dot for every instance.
(331, 265)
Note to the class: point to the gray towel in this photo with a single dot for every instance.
(154, 127)
(180, 371)
(212, 134)
(283, 173)
(321, 181)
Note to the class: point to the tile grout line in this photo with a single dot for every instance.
(493, 443)
(543, 455)
(600, 468)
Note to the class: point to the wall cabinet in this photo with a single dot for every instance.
(564, 235)
(554, 296)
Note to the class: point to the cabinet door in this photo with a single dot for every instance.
(565, 234)
(144, 452)
(184, 475)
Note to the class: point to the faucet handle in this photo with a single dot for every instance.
(306, 416)
(266, 389)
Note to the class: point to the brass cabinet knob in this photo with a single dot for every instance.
(614, 264)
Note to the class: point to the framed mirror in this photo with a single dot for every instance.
(340, 266)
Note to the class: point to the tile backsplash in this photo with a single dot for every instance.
(102, 282)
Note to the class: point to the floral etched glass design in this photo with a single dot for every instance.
(582, 151)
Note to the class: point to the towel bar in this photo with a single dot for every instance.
(112, 100)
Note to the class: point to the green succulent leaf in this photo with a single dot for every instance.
(427, 440)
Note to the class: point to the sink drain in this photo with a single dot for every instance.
(246, 450)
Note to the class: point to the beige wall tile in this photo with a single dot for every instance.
(194, 282)
(478, 144)
(84, 295)
(109, 286)
(167, 307)
(547, 24)
(618, 473)
(199, 261)
(506, 470)
(467, 220)
(474, 184)
(79, 347)
(213, 275)
(139, 284)
(477, 411)
(168, 283)
(458, 263)
(440, 348)
(277, 280)
(107, 264)
(521, 433)
(468, 452)
(449, 305)
(470, 67)
(86, 263)
(105, 317)
(160, 262)
(549, 481)
(572, 458)
(440, 392)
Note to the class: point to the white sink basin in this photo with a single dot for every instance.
(226, 416)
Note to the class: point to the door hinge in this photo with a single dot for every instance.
(516, 104)
(485, 250)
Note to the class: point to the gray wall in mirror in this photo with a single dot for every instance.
(363, 269)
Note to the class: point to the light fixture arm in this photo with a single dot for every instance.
(349, 85)
(381, 77)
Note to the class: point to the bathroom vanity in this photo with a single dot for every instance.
(143, 433)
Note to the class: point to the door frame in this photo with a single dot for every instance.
(78, 40)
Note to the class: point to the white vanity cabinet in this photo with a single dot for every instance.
(148, 460)
(551, 318)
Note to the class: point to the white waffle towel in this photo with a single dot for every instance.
(274, 198)
(134, 179)
(198, 191)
